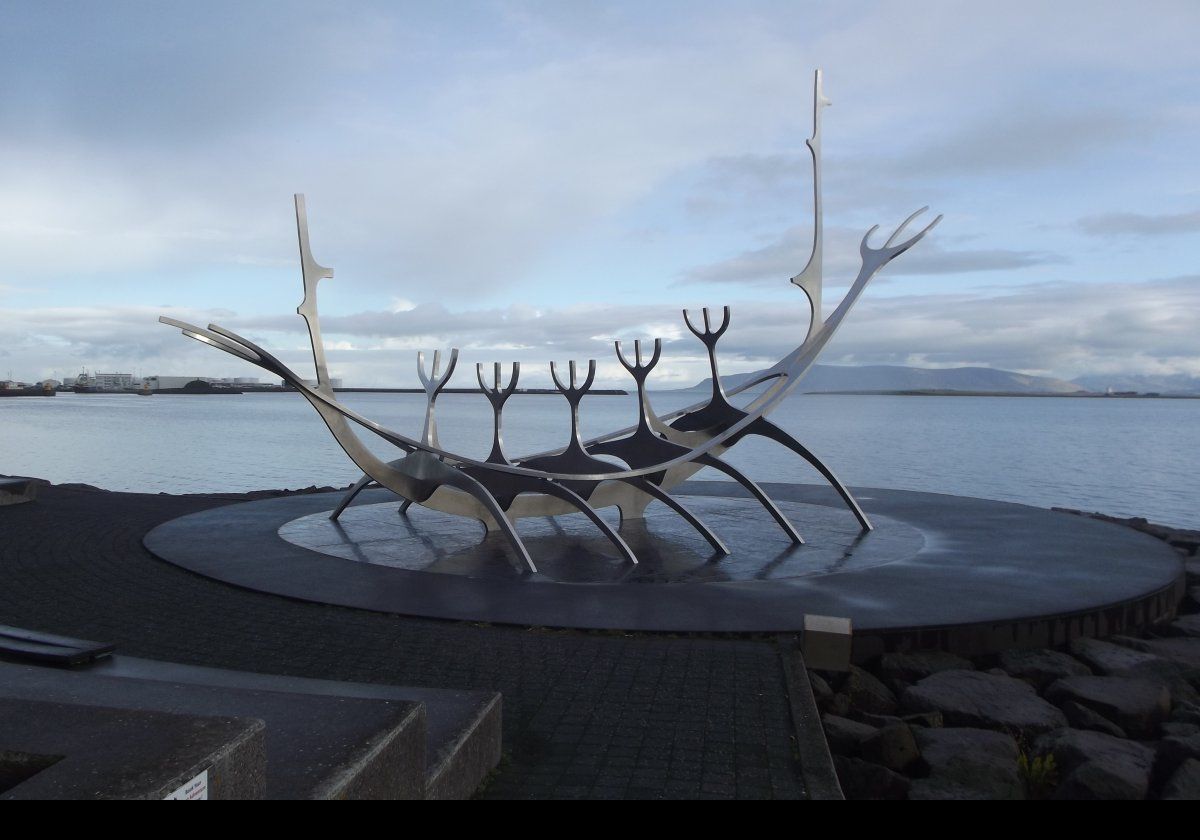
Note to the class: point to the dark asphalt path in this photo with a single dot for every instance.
(585, 714)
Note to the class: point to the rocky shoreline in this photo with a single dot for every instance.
(1115, 719)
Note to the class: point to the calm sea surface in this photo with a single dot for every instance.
(1123, 457)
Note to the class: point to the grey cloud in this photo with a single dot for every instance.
(787, 255)
(44, 342)
(1018, 138)
(1140, 224)
(756, 174)
(995, 141)
(136, 144)
(142, 126)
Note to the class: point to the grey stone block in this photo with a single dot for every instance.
(16, 491)
(458, 766)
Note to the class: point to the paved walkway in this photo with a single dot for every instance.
(585, 714)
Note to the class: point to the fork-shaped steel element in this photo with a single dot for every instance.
(644, 445)
(574, 392)
(498, 396)
(718, 411)
(874, 259)
(640, 372)
(433, 386)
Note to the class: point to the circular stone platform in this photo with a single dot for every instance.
(976, 574)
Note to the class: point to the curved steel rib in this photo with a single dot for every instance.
(757, 492)
(652, 489)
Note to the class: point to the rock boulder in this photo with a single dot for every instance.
(892, 746)
(968, 764)
(1137, 706)
(1041, 667)
(845, 735)
(917, 665)
(864, 780)
(1185, 783)
(984, 701)
(1093, 765)
(867, 694)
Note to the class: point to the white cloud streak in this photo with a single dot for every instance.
(1061, 329)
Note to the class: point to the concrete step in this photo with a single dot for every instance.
(325, 739)
(71, 751)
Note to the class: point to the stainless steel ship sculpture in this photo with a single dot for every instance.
(658, 452)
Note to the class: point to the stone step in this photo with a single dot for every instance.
(73, 751)
(463, 728)
(325, 739)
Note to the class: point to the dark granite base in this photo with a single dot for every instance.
(569, 549)
(978, 573)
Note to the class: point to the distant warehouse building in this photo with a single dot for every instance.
(111, 381)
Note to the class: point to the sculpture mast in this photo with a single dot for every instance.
(313, 273)
(810, 279)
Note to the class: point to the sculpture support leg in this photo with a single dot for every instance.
(464, 482)
(404, 506)
(767, 429)
(569, 495)
(358, 487)
(663, 496)
(741, 478)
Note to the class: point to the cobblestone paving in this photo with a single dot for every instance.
(585, 715)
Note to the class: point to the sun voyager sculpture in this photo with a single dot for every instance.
(658, 452)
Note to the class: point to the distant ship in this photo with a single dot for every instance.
(13, 389)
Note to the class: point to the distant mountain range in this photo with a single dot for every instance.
(827, 378)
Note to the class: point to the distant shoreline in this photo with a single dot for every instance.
(595, 392)
(617, 392)
(950, 393)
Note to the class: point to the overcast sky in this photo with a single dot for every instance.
(530, 180)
